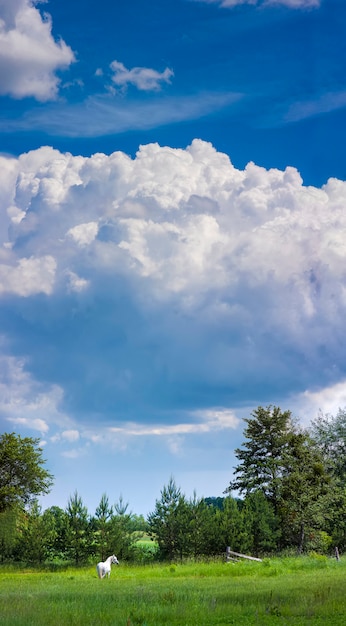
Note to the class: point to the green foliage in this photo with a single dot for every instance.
(22, 475)
(329, 433)
(78, 534)
(37, 536)
(168, 523)
(287, 466)
(292, 481)
(304, 490)
(264, 453)
(9, 523)
(102, 529)
(262, 524)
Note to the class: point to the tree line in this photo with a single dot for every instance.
(288, 492)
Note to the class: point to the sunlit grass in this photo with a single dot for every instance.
(277, 591)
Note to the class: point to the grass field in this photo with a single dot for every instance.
(307, 591)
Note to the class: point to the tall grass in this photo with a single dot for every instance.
(304, 591)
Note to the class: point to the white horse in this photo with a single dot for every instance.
(105, 568)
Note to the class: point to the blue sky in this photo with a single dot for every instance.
(172, 193)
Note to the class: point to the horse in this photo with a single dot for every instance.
(104, 568)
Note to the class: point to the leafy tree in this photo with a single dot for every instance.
(37, 536)
(10, 520)
(335, 516)
(60, 541)
(304, 490)
(329, 432)
(22, 475)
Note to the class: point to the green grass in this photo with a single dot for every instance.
(300, 591)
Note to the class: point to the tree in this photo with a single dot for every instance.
(261, 523)
(168, 522)
(10, 520)
(78, 528)
(233, 530)
(60, 521)
(304, 490)
(103, 515)
(37, 536)
(202, 527)
(329, 432)
(283, 462)
(122, 536)
(22, 475)
(264, 454)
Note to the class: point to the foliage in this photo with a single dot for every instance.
(263, 457)
(37, 535)
(294, 497)
(22, 475)
(288, 467)
(78, 536)
(168, 522)
(329, 432)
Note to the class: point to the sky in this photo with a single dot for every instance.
(172, 222)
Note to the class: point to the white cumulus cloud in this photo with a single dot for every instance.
(183, 282)
(29, 276)
(29, 54)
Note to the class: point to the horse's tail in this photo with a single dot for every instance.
(99, 570)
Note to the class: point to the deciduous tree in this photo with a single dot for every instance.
(22, 475)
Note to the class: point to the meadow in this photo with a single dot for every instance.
(300, 591)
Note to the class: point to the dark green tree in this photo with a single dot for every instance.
(121, 530)
(79, 540)
(304, 490)
(263, 457)
(261, 525)
(37, 536)
(168, 523)
(22, 475)
(202, 528)
(60, 542)
(232, 528)
(103, 528)
(10, 523)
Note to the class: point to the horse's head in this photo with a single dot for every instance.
(115, 560)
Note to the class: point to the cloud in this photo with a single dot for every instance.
(208, 421)
(25, 402)
(29, 276)
(327, 400)
(144, 78)
(70, 435)
(84, 234)
(292, 4)
(106, 114)
(29, 55)
(175, 283)
(34, 424)
(324, 103)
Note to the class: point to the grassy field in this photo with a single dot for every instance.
(277, 591)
